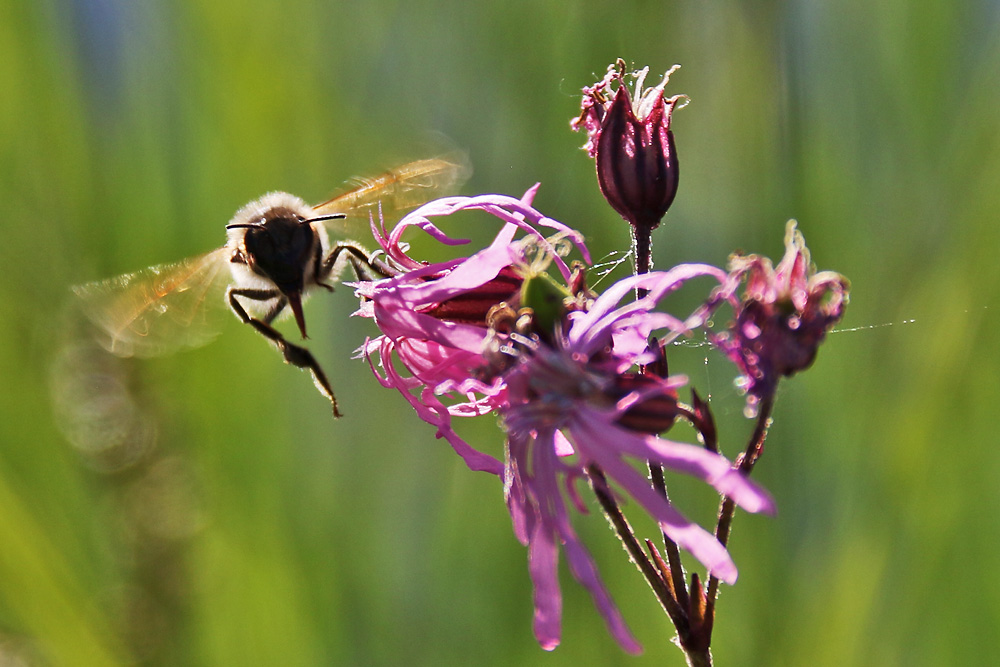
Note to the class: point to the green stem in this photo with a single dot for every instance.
(599, 484)
(746, 462)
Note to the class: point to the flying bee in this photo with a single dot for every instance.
(278, 250)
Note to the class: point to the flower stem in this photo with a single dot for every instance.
(642, 247)
(661, 589)
(642, 251)
(673, 592)
(746, 462)
(669, 546)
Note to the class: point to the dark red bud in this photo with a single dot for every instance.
(654, 414)
(637, 166)
(471, 307)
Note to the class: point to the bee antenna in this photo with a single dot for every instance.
(318, 218)
(244, 225)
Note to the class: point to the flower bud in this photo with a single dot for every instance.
(473, 306)
(633, 146)
(655, 413)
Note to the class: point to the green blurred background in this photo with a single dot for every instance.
(204, 508)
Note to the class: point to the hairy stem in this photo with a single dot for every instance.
(642, 251)
(746, 462)
(599, 484)
(669, 546)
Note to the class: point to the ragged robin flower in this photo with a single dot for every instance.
(433, 317)
(561, 375)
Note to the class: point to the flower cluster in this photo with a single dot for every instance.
(558, 365)
(577, 379)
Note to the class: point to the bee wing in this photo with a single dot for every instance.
(159, 309)
(404, 187)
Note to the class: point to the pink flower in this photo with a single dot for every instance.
(633, 146)
(782, 316)
(558, 366)
(433, 317)
(564, 411)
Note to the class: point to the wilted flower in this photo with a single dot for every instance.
(562, 381)
(630, 138)
(781, 317)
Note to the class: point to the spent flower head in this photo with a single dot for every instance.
(781, 317)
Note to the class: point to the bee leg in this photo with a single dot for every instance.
(365, 267)
(295, 355)
(321, 270)
(276, 309)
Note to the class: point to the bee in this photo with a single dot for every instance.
(278, 250)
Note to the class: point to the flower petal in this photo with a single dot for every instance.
(592, 441)
(553, 514)
(435, 413)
